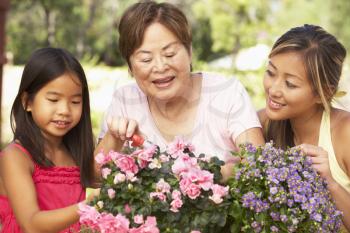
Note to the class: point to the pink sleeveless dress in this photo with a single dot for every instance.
(56, 187)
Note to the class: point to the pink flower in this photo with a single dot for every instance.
(176, 205)
(184, 163)
(163, 158)
(218, 192)
(119, 178)
(150, 226)
(184, 184)
(131, 176)
(203, 178)
(193, 191)
(195, 232)
(176, 147)
(158, 195)
(127, 209)
(126, 164)
(110, 224)
(111, 193)
(138, 219)
(163, 186)
(105, 172)
(176, 194)
(102, 159)
(114, 155)
(88, 215)
(144, 156)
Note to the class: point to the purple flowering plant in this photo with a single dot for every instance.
(277, 190)
(145, 190)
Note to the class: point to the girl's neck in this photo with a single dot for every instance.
(52, 145)
(306, 128)
(173, 108)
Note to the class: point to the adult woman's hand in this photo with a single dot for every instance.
(122, 128)
(320, 162)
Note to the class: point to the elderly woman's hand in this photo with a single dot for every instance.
(122, 128)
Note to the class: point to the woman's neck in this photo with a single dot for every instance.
(306, 128)
(172, 109)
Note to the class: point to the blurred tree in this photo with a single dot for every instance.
(87, 28)
(234, 23)
(340, 20)
(293, 13)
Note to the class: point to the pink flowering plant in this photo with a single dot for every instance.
(278, 191)
(149, 191)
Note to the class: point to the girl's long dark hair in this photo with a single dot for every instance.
(45, 65)
(323, 56)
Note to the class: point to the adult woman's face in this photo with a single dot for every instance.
(288, 91)
(161, 65)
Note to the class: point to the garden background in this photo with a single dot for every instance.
(229, 36)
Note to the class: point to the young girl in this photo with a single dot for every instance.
(46, 168)
(301, 79)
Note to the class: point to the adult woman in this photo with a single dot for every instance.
(301, 79)
(168, 100)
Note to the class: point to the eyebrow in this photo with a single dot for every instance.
(164, 48)
(271, 64)
(288, 74)
(59, 94)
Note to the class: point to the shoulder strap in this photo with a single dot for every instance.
(24, 150)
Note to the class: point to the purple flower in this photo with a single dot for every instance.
(280, 191)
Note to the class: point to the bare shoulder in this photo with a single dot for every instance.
(340, 124)
(262, 117)
(340, 128)
(13, 156)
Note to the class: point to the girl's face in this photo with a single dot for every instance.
(161, 65)
(288, 91)
(57, 107)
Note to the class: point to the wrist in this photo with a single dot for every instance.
(332, 185)
(113, 141)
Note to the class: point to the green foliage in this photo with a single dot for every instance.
(88, 28)
(340, 20)
(234, 23)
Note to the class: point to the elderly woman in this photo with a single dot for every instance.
(212, 112)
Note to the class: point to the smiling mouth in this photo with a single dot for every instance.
(163, 82)
(61, 124)
(275, 105)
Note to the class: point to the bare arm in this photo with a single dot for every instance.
(262, 117)
(16, 173)
(341, 134)
(253, 136)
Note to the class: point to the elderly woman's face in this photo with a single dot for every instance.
(161, 65)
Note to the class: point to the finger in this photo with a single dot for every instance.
(122, 127)
(319, 160)
(312, 150)
(113, 123)
(319, 168)
(131, 128)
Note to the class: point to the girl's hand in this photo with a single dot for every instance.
(122, 128)
(320, 162)
(91, 193)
